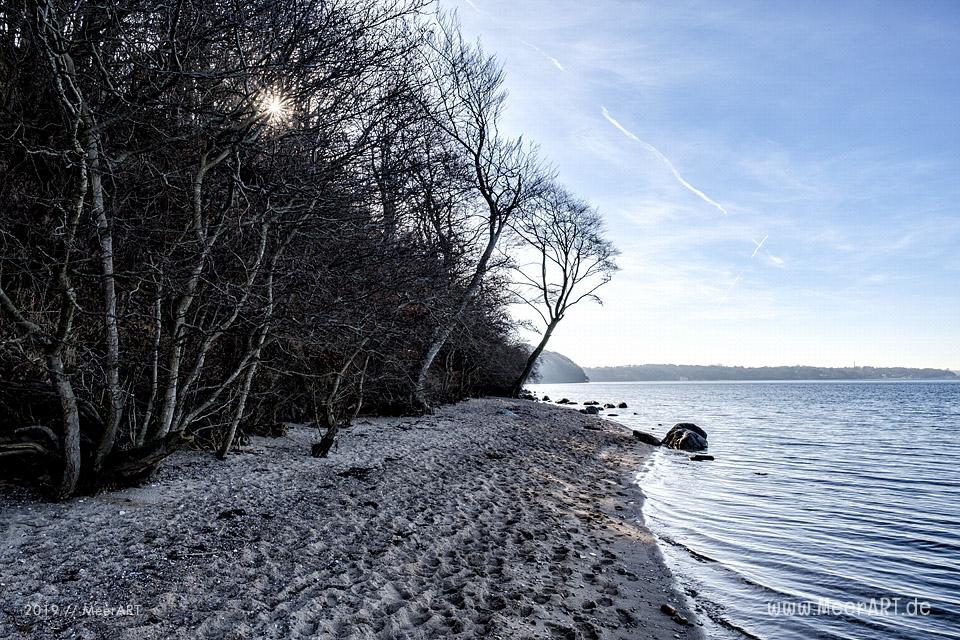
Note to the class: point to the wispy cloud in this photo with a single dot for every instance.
(676, 174)
(546, 55)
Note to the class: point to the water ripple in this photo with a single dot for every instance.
(836, 494)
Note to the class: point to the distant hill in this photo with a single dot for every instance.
(677, 372)
(553, 368)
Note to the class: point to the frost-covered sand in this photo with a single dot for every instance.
(489, 519)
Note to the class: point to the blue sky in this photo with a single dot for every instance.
(832, 129)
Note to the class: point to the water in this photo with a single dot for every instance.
(832, 509)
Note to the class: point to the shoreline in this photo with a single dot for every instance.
(491, 518)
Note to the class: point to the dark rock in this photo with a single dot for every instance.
(546, 398)
(622, 405)
(590, 402)
(700, 457)
(563, 401)
(612, 415)
(689, 426)
(647, 438)
(686, 436)
(609, 406)
(590, 410)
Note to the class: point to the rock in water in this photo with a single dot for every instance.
(686, 436)
(700, 457)
(590, 410)
(647, 438)
(608, 406)
(622, 405)
(689, 426)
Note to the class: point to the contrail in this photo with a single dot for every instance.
(676, 174)
(555, 62)
(475, 8)
(759, 244)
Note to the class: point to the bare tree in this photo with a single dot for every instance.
(466, 100)
(571, 260)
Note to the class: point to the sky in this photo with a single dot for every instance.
(782, 178)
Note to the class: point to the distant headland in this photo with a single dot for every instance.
(555, 368)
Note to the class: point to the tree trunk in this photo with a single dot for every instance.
(363, 376)
(241, 406)
(154, 368)
(322, 448)
(71, 426)
(185, 301)
(444, 331)
(111, 335)
(532, 359)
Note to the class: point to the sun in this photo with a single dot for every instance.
(275, 107)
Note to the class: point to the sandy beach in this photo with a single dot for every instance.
(488, 519)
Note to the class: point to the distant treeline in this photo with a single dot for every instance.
(678, 372)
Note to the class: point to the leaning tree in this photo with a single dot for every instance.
(464, 97)
(564, 259)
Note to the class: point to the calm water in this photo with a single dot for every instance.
(827, 501)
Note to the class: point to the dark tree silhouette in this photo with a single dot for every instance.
(571, 259)
(215, 217)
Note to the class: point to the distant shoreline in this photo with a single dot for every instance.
(705, 373)
(555, 368)
(798, 380)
